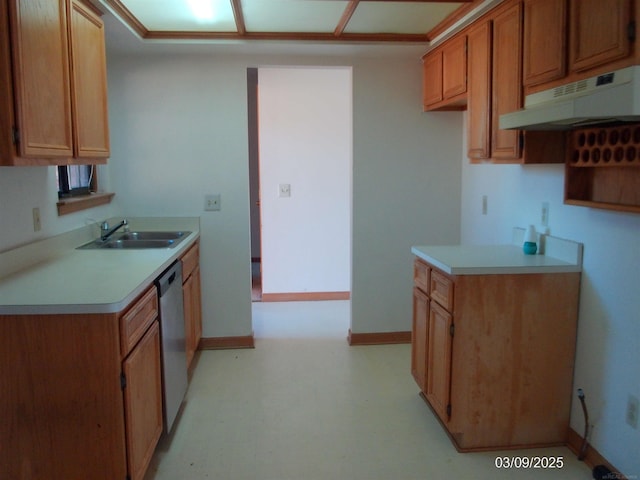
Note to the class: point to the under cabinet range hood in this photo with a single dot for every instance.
(612, 97)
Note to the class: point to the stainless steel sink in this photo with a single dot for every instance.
(139, 240)
(137, 236)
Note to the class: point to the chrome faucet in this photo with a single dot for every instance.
(105, 228)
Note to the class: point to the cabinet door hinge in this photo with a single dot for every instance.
(631, 31)
(452, 329)
(448, 410)
(123, 381)
(16, 135)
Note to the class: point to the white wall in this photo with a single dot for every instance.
(24, 188)
(608, 354)
(179, 130)
(305, 141)
(406, 190)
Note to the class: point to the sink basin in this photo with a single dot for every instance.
(158, 243)
(137, 236)
(139, 240)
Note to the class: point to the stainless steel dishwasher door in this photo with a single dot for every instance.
(174, 355)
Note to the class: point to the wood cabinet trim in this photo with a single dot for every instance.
(76, 204)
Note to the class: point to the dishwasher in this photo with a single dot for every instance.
(172, 334)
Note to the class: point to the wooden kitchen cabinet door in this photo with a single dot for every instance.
(192, 313)
(444, 76)
(454, 67)
(197, 308)
(419, 338)
(143, 402)
(439, 346)
(506, 82)
(599, 32)
(431, 79)
(40, 51)
(545, 40)
(91, 133)
(479, 92)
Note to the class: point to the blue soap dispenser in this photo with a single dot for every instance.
(530, 246)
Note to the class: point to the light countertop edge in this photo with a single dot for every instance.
(496, 259)
(145, 267)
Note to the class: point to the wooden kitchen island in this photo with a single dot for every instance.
(493, 341)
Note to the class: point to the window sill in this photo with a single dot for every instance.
(75, 204)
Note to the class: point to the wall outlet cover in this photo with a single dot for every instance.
(212, 202)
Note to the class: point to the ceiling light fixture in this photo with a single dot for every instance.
(202, 9)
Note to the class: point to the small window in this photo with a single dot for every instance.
(74, 180)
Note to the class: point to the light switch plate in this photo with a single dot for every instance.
(284, 190)
(212, 202)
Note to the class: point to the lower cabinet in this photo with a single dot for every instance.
(493, 355)
(143, 401)
(419, 338)
(81, 393)
(192, 300)
(439, 360)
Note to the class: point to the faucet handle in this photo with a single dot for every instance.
(104, 226)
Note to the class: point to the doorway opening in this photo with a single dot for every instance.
(300, 173)
(254, 184)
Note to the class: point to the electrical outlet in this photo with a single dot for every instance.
(212, 202)
(632, 411)
(37, 226)
(544, 214)
(284, 190)
(484, 204)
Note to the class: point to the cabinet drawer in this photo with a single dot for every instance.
(190, 261)
(421, 275)
(441, 289)
(135, 321)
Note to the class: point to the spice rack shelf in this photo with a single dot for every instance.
(602, 168)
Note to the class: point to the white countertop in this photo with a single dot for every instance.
(560, 256)
(89, 281)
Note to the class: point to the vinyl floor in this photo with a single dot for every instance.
(304, 405)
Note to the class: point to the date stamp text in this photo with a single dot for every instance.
(535, 462)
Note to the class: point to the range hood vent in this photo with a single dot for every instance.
(613, 97)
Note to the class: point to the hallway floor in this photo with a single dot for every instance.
(304, 405)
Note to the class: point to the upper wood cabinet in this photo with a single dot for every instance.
(506, 82)
(545, 27)
(600, 32)
(479, 97)
(568, 40)
(495, 87)
(89, 82)
(53, 92)
(445, 76)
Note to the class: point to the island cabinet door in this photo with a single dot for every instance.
(143, 402)
(440, 341)
(419, 338)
